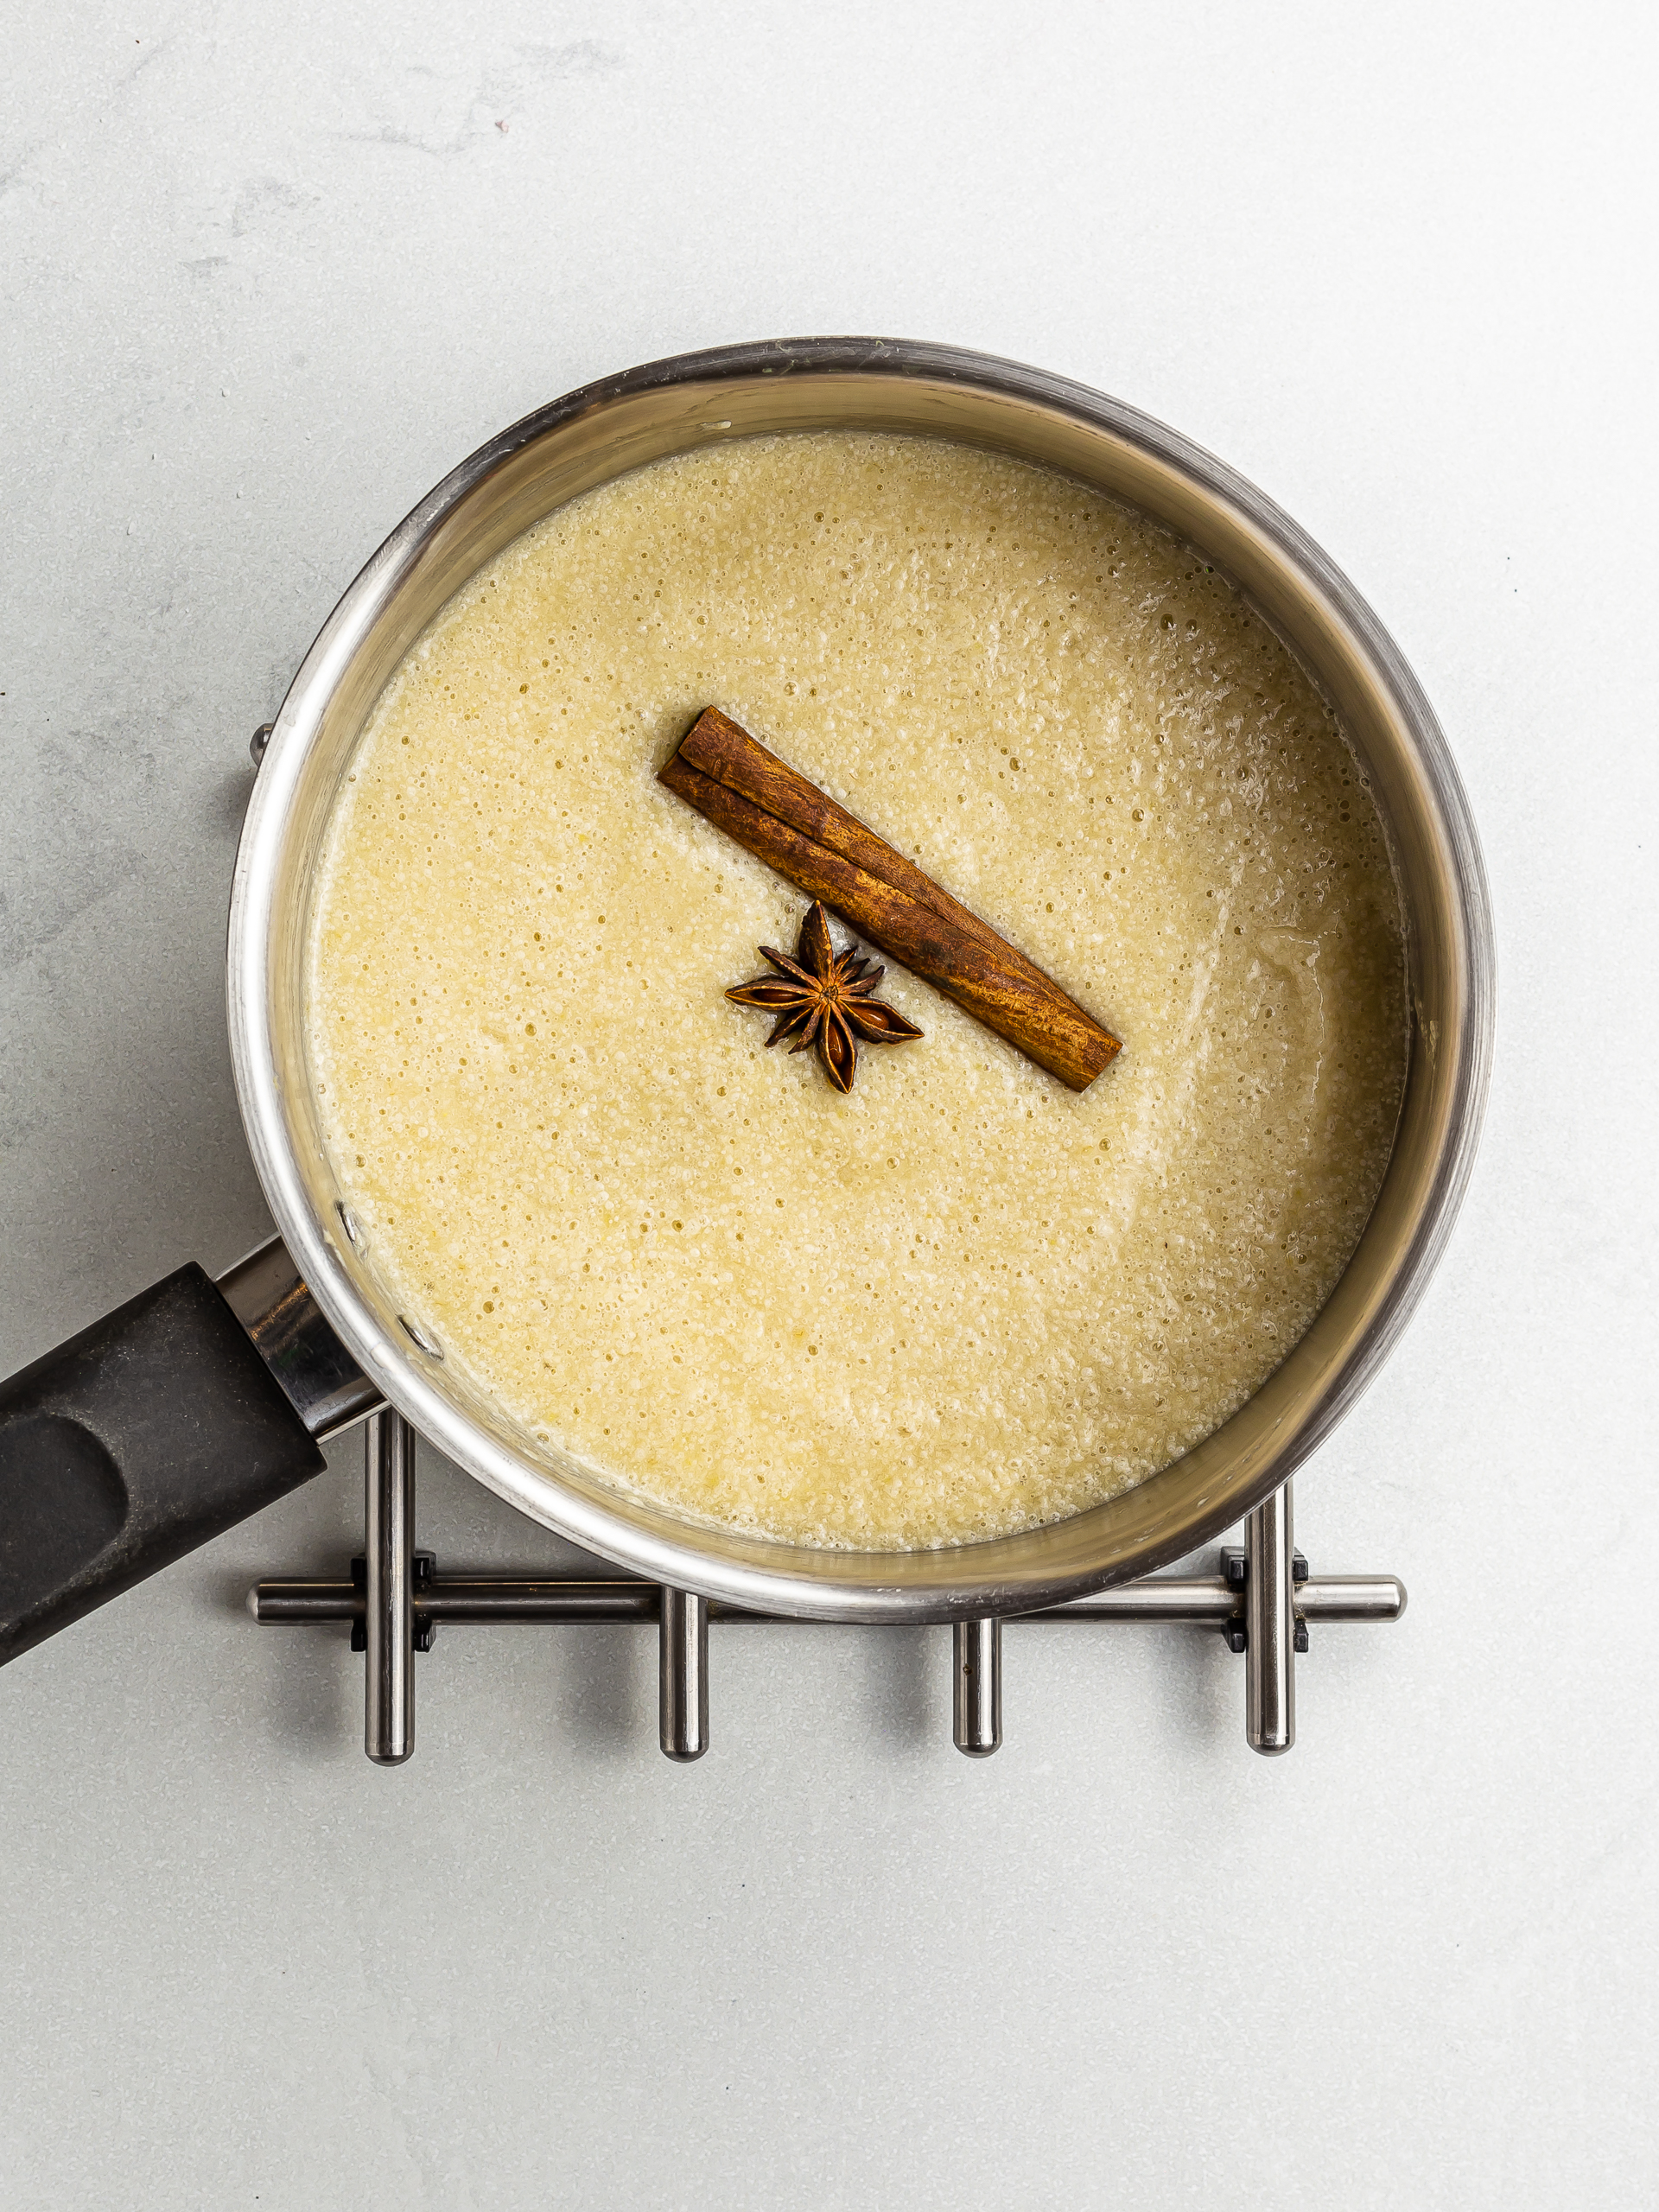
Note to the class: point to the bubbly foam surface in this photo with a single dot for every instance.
(960, 1300)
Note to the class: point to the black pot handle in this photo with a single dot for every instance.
(185, 1410)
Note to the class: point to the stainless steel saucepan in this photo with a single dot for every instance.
(196, 1404)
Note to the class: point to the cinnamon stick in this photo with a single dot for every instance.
(763, 803)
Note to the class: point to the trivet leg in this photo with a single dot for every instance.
(683, 1674)
(389, 1594)
(978, 1704)
(1270, 1628)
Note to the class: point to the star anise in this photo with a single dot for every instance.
(822, 997)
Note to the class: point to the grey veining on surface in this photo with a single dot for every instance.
(266, 276)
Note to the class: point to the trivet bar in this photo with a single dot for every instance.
(1214, 1601)
(682, 1675)
(1270, 1627)
(1198, 1601)
(977, 1715)
(389, 1590)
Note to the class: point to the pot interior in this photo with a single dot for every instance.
(582, 442)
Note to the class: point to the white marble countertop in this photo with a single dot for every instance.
(267, 275)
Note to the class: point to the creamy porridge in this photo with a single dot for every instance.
(959, 1300)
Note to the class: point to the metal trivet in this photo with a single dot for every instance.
(1263, 1601)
